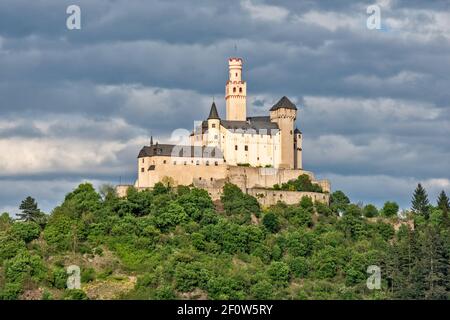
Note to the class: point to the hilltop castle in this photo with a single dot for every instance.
(254, 153)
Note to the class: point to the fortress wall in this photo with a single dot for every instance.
(250, 177)
(270, 197)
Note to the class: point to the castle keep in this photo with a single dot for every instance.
(255, 153)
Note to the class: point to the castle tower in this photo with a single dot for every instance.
(284, 113)
(236, 92)
(298, 145)
(213, 127)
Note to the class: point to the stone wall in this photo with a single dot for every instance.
(270, 197)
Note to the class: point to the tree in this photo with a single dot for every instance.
(370, 211)
(271, 222)
(339, 201)
(27, 231)
(279, 273)
(30, 210)
(390, 209)
(444, 204)
(420, 203)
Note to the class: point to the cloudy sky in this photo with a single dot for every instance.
(77, 105)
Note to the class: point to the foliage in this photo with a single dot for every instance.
(390, 209)
(30, 210)
(302, 183)
(419, 202)
(180, 246)
(27, 231)
(370, 211)
(271, 222)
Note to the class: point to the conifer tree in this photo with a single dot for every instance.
(420, 203)
(444, 204)
(30, 210)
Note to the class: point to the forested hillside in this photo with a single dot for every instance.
(178, 244)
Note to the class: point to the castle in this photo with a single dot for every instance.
(255, 153)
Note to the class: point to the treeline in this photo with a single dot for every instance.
(181, 245)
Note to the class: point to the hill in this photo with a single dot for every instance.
(178, 244)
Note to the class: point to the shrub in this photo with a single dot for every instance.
(262, 290)
(370, 211)
(88, 275)
(278, 272)
(271, 222)
(390, 209)
(75, 294)
(27, 231)
(299, 267)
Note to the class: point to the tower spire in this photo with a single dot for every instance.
(151, 140)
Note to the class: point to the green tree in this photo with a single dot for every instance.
(279, 273)
(390, 209)
(370, 211)
(443, 203)
(27, 231)
(339, 201)
(5, 221)
(30, 210)
(420, 203)
(271, 222)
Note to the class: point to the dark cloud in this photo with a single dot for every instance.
(373, 104)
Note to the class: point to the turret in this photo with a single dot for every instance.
(213, 127)
(236, 92)
(284, 113)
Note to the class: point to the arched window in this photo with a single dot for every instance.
(240, 90)
(234, 89)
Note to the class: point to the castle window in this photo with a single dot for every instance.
(200, 178)
(234, 89)
(164, 161)
(216, 163)
(197, 163)
(240, 90)
(291, 131)
(142, 160)
(213, 125)
(236, 74)
(207, 163)
(257, 158)
(185, 163)
(142, 169)
(235, 147)
(246, 148)
(211, 179)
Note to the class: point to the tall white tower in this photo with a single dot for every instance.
(236, 92)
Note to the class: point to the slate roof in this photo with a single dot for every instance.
(181, 151)
(283, 103)
(213, 114)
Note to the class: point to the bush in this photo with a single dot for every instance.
(302, 183)
(271, 222)
(59, 278)
(27, 231)
(10, 246)
(278, 272)
(11, 291)
(25, 265)
(307, 204)
(299, 267)
(370, 211)
(390, 209)
(323, 209)
(189, 276)
(88, 275)
(262, 290)
(75, 294)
